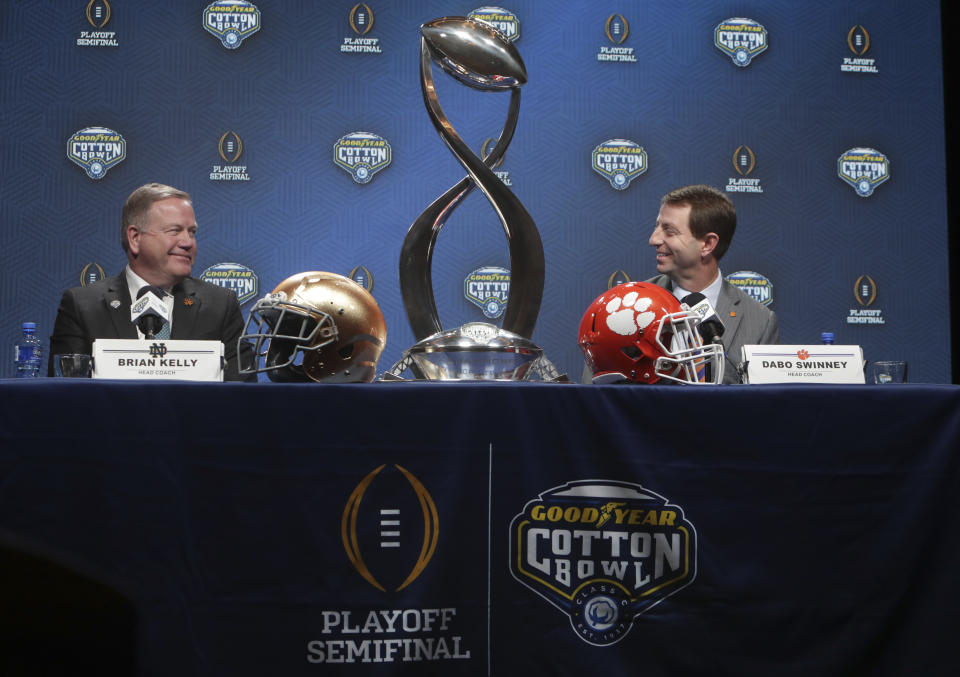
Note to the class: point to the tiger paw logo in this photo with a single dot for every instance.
(603, 552)
(630, 313)
(389, 528)
(803, 354)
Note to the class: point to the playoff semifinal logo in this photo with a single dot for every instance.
(865, 293)
(231, 21)
(864, 169)
(602, 552)
(389, 528)
(98, 16)
(740, 39)
(619, 161)
(96, 149)
(617, 29)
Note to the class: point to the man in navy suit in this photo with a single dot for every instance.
(159, 235)
(694, 229)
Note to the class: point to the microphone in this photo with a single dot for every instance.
(711, 328)
(149, 312)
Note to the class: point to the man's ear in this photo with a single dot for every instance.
(133, 239)
(708, 243)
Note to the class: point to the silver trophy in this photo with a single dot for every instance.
(480, 56)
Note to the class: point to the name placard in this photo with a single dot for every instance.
(162, 360)
(803, 364)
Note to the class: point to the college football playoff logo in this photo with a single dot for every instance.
(389, 528)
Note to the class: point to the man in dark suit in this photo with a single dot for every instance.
(694, 229)
(159, 234)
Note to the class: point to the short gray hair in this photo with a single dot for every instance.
(138, 204)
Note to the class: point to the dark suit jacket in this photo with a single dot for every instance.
(201, 311)
(745, 322)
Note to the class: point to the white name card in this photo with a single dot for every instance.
(161, 360)
(803, 364)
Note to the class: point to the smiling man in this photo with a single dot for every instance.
(694, 228)
(159, 235)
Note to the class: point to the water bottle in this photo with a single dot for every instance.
(826, 338)
(28, 353)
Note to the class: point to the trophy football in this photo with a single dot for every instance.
(479, 56)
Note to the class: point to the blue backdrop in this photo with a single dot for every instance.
(289, 91)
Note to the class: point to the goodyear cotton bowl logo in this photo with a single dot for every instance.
(235, 277)
(502, 19)
(603, 552)
(96, 149)
(740, 39)
(362, 155)
(864, 169)
(757, 287)
(619, 161)
(231, 21)
(489, 289)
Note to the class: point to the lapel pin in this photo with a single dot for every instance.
(115, 304)
(733, 313)
(188, 302)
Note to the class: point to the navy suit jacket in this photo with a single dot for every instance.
(201, 311)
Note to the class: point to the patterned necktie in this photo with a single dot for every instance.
(164, 332)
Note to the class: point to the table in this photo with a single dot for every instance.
(485, 528)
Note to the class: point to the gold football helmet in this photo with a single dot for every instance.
(316, 326)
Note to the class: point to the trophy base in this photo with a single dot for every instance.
(476, 351)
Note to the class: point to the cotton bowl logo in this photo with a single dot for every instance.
(620, 161)
(759, 288)
(96, 149)
(864, 169)
(603, 552)
(232, 21)
(502, 19)
(235, 277)
(362, 154)
(489, 289)
(390, 528)
(741, 39)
